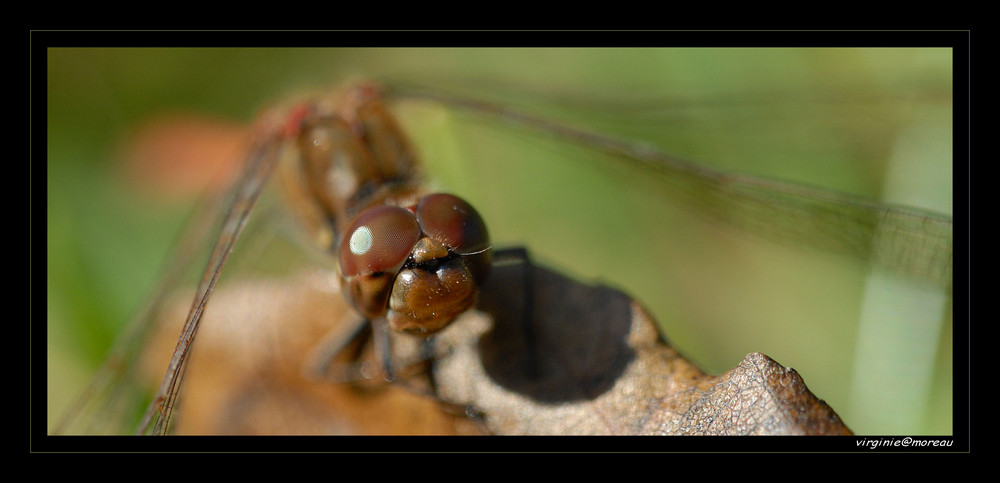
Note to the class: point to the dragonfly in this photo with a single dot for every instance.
(831, 221)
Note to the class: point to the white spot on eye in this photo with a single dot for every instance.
(361, 240)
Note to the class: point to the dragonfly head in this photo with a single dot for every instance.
(420, 266)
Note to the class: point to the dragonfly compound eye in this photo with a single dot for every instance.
(457, 225)
(450, 263)
(372, 252)
(421, 267)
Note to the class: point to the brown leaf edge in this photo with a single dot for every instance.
(592, 361)
(588, 361)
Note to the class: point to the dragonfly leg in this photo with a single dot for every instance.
(341, 357)
(383, 347)
(351, 342)
(519, 255)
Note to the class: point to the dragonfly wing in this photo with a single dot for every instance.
(246, 192)
(911, 242)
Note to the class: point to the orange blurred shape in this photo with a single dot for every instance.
(180, 156)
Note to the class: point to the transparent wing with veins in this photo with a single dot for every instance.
(912, 242)
(259, 167)
(814, 216)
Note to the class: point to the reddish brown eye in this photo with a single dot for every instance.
(444, 247)
(379, 240)
(453, 222)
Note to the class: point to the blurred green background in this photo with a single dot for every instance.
(837, 118)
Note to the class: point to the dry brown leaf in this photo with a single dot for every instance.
(251, 368)
(596, 364)
(588, 361)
